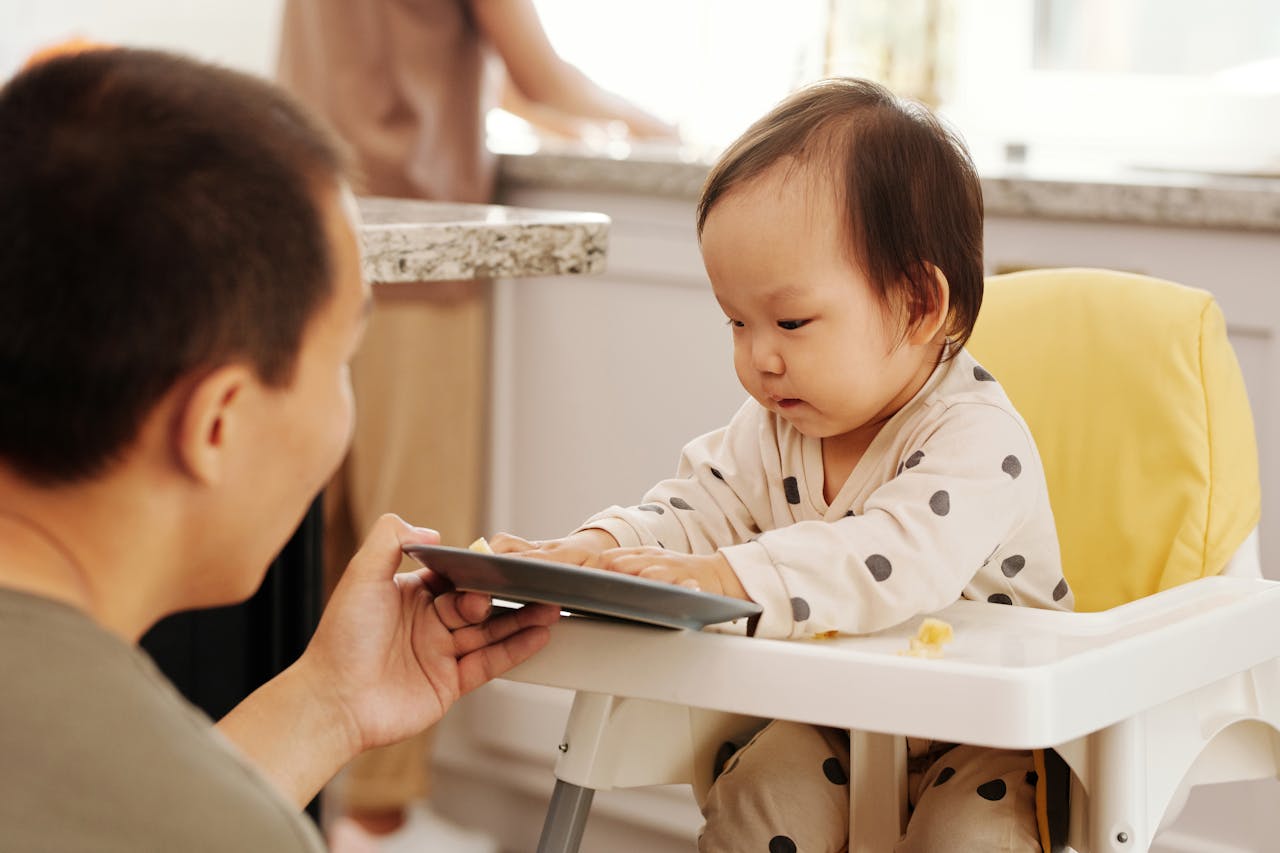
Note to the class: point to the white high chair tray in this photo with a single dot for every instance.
(1013, 677)
(578, 590)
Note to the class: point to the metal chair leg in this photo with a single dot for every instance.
(566, 818)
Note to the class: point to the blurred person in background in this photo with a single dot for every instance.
(408, 84)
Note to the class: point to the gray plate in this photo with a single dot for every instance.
(580, 590)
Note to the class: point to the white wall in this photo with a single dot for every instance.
(240, 33)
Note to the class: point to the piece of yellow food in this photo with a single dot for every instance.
(929, 640)
(826, 635)
(480, 545)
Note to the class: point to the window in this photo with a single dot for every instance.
(1147, 83)
(1154, 83)
(1157, 83)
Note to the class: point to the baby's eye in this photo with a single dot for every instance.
(737, 324)
(791, 325)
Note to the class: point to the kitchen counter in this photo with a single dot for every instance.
(407, 240)
(1136, 196)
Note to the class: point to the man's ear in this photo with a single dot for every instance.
(209, 420)
(934, 321)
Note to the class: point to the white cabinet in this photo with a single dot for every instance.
(599, 381)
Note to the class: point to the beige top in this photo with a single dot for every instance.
(98, 752)
(948, 501)
(405, 83)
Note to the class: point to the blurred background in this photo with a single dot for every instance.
(1151, 83)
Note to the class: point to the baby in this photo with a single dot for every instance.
(878, 472)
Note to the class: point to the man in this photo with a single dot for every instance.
(180, 292)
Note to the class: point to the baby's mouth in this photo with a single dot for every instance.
(787, 402)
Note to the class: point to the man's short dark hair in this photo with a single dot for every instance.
(158, 217)
(908, 191)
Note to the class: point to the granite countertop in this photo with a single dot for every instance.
(407, 240)
(1148, 197)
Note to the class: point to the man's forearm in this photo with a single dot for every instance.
(293, 733)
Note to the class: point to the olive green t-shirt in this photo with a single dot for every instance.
(99, 752)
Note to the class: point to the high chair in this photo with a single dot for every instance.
(1168, 676)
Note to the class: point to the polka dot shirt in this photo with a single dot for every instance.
(949, 500)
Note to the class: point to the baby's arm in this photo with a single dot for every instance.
(922, 536)
(714, 500)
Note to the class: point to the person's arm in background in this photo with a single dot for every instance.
(544, 89)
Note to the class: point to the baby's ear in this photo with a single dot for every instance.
(932, 319)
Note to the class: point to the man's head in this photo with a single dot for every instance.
(180, 292)
(160, 217)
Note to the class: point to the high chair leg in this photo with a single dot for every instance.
(566, 818)
(877, 791)
(1118, 814)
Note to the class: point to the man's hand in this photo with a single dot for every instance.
(707, 572)
(397, 650)
(578, 549)
(391, 654)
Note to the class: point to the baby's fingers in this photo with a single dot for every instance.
(648, 565)
(630, 561)
(507, 543)
(624, 564)
(665, 574)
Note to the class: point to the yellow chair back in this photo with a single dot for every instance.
(1138, 406)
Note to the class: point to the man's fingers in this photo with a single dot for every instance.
(459, 610)
(473, 607)
(379, 556)
(497, 629)
(486, 663)
(424, 578)
(467, 615)
(494, 646)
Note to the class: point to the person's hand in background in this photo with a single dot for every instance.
(549, 92)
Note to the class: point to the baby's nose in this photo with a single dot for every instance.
(768, 361)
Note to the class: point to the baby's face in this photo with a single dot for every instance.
(811, 339)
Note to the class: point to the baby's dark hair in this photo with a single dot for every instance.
(908, 190)
(161, 217)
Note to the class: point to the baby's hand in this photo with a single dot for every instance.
(707, 573)
(578, 549)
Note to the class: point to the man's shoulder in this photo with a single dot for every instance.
(101, 753)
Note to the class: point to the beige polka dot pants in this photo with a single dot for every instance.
(787, 791)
